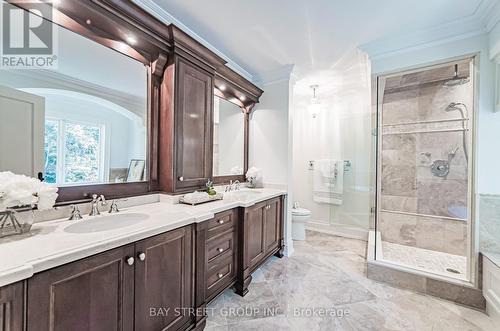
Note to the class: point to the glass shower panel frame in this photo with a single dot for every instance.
(380, 82)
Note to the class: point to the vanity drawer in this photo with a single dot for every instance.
(220, 246)
(221, 223)
(220, 277)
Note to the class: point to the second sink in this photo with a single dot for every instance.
(105, 223)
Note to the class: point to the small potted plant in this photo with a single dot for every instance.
(19, 196)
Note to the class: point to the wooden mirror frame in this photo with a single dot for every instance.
(109, 22)
(245, 95)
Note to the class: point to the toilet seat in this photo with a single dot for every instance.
(300, 212)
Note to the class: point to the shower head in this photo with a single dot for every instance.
(456, 80)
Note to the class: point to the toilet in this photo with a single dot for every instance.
(299, 217)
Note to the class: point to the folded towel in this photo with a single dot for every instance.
(328, 181)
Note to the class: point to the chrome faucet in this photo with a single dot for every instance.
(94, 206)
(233, 186)
(113, 208)
(236, 184)
(75, 213)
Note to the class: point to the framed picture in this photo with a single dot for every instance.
(135, 171)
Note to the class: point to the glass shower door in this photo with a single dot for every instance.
(424, 167)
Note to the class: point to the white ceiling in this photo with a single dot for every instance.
(264, 35)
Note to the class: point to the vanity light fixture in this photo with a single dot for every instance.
(131, 40)
(315, 106)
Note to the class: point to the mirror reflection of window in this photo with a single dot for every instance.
(73, 152)
(83, 122)
(228, 146)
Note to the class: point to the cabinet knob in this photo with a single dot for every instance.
(141, 256)
(181, 179)
(220, 221)
(130, 260)
(220, 275)
(220, 250)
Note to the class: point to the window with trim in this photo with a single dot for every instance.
(73, 152)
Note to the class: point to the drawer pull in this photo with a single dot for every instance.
(220, 221)
(181, 179)
(130, 260)
(141, 256)
(220, 250)
(220, 275)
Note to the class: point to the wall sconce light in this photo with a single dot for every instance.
(315, 106)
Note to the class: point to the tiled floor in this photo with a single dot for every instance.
(326, 275)
(425, 259)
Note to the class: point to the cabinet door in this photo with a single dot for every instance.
(254, 235)
(164, 279)
(11, 307)
(96, 293)
(272, 233)
(194, 106)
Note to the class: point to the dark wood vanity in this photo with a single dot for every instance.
(180, 271)
(159, 283)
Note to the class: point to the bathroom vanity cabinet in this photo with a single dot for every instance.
(261, 235)
(235, 243)
(192, 125)
(115, 290)
(12, 307)
(163, 282)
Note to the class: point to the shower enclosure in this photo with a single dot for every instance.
(424, 169)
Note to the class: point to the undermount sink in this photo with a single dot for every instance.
(243, 194)
(105, 223)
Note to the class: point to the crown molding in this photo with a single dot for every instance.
(480, 21)
(154, 9)
(489, 13)
(277, 75)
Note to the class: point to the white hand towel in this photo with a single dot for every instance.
(328, 181)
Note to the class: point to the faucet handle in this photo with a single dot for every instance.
(75, 213)
(113, 208)
(103, 200)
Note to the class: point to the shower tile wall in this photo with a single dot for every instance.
(407, 182)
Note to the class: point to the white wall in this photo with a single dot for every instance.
(494, 40)
(487, 121)
(270, 135)
(341, 131)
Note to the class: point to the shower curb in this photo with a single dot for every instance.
(461, 293)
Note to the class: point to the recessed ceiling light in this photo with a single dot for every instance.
(243, 98)
(88, 21)
(222, 87)
(131, 40)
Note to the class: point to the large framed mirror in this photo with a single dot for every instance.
(84, 124)
(229, 140)
(234, 99)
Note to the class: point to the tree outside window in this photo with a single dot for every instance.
(73, 152)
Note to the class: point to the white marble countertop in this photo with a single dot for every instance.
(48, 245)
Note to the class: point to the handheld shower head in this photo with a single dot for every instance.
(452, 106)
